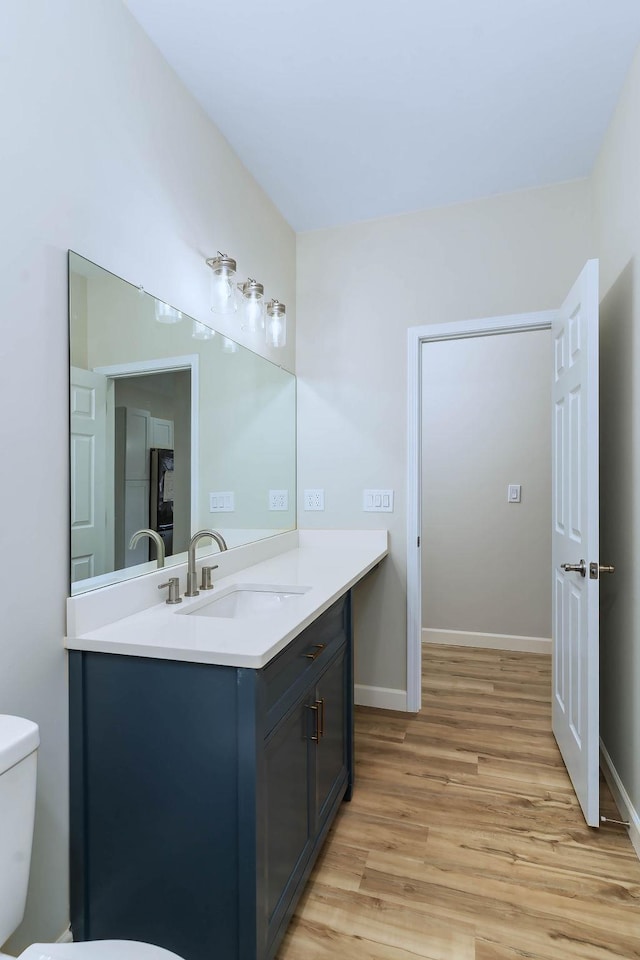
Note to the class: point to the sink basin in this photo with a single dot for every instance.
(246, 600)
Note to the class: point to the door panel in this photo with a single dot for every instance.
(88, 406)
(576, 538)
(287, 804)
(331, 747)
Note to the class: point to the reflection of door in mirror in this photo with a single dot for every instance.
(91, 550)
(112, 492)
(152, 412)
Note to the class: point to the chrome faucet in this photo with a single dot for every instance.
(192, 573)
(157, 539)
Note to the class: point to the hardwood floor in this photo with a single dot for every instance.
(464, 840)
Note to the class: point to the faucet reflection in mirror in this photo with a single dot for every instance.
(251, 308)
(157, 539)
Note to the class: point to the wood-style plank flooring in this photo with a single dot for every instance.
(464, 840)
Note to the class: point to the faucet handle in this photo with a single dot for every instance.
(206, 577)
(174, 590)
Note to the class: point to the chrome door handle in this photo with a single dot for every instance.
(580, 568)
(595, 569)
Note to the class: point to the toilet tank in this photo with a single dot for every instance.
(19, 741)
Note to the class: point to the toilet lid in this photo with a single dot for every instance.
(97, 950)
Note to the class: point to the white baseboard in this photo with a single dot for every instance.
(385, 698)
(490, 641)
(621, 797)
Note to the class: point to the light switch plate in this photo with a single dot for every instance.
(377, 501)
(314, 499)
(278, 499)
(223, 501)
(514, 492)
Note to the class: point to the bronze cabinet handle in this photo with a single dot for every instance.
(318, 710)
(320, 706)
(314, 707)
(318, 648)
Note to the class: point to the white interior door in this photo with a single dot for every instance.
(576, 539)
(88, 497)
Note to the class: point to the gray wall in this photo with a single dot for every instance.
(486, 422)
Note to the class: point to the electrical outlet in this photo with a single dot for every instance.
(278, 499)
(377, 501)
(314, 499)
(222, 502)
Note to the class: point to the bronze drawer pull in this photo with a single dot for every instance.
(314, 707)
(318, 648)
(320, 706)
(318, 709)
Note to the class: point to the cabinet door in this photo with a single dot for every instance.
(331, 753)
(287, 814)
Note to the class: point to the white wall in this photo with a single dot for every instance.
(103, 151)
(616, 192)
(486, 422)
(359, 288)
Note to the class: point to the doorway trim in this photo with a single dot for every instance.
(417, 336)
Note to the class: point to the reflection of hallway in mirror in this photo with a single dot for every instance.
(152, 462)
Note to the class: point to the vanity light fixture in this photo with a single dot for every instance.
(251, 305)
(201, 331)
(166, 313)
(276, 331)
(223, 287)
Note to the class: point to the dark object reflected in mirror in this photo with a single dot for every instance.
(147, 390)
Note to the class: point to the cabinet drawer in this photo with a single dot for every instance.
(305, 656)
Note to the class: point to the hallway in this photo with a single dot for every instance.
(464, 840)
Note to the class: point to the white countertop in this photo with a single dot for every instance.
(328, 562)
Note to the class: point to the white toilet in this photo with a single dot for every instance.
(19, 741)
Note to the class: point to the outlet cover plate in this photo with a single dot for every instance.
(314, 499)
(377, 501)
(278, 499)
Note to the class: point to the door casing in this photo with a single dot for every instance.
(417, 336)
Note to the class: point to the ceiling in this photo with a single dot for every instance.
(346, 110)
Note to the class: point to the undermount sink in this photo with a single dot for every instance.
(246, 600)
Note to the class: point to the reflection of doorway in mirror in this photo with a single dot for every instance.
(151, 412)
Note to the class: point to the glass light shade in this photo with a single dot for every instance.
(167, 314)
(223, 284)
(252, 306)
(201, 331)
(276, 331)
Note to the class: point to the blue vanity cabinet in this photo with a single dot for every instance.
(201, 794)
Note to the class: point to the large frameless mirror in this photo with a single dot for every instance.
(174, 427)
